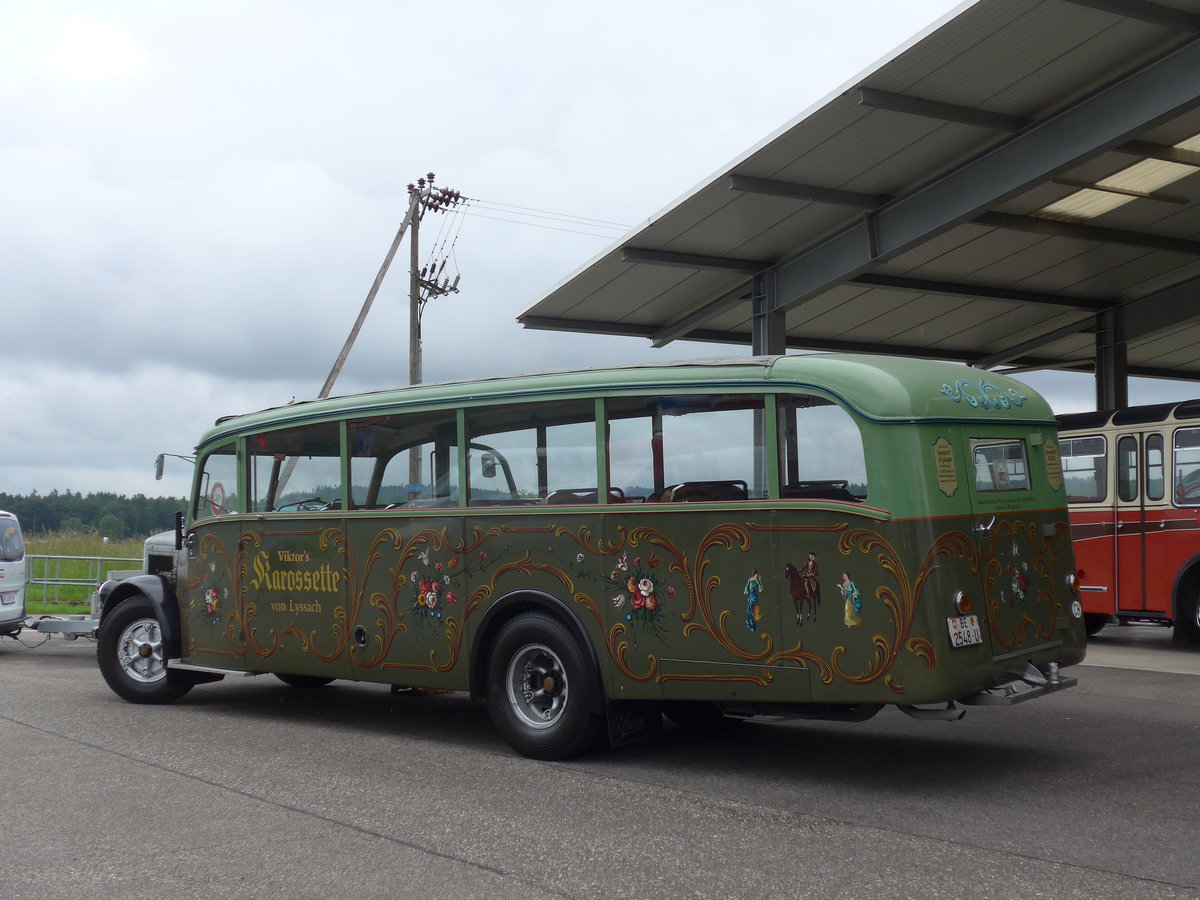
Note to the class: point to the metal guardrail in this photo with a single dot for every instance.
(49, 574)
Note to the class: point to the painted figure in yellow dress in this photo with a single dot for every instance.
(853, 601)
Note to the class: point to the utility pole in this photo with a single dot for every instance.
(421, 289)
(422, 198)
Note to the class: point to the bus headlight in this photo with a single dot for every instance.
(962, 602)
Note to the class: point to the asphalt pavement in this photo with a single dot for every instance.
(249, 788)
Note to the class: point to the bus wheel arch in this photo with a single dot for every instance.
(132, 650)
(509, 607)
(154, 589)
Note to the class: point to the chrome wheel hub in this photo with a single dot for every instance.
(140, 651)
(537, 685)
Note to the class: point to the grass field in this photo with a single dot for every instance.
(93, 559)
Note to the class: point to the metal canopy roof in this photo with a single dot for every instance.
(908, 213)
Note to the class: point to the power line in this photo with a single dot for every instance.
(616, 232)
(545, 213)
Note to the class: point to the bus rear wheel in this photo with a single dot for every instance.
(541, 688)
(1187, 625)
(130, 653)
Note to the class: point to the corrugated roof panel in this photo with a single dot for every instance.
(800, 318)
(1018, 57)
(1172, 349)
(993, 257)
(922, 156)
(1077, 348)
(962, 37)
(1053, 266)
(948, 324)
(1150, 274)
(666, 302)
(983, 334)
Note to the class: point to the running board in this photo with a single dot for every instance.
(210, 670)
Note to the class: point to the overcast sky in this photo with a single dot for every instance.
(195, 198)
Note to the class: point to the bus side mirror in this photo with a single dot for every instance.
(158, 466)
(487, 465)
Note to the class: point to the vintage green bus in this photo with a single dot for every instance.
(816, 536)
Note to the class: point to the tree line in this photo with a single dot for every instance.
(111, 515)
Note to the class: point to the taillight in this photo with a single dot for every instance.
(1074, 580)
(962, 602)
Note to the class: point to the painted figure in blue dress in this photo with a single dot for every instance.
(753, 610)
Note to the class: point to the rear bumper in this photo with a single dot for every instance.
(1033, 683)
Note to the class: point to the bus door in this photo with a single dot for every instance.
(1159, 575)
(1017, 535)
(1130, 515)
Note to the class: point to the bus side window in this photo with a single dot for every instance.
(1127, 468)
(405, 459)
(296, 469)
(1187, 466)
(1155, 474)
(686, 449)
(216, 492)
(1085, 468)
(532, 453)
(821, 455)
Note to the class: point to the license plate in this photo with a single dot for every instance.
(964, 631)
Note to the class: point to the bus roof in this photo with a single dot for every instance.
(878, 388)
(1149, 414)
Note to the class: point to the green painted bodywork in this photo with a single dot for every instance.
(677, 601)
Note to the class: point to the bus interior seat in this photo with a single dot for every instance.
(832, 489)
(703, 492)
(576, 496)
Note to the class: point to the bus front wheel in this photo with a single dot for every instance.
(540, 689)
(130, 653)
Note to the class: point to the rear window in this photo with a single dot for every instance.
(1000, 466)
(12, 546)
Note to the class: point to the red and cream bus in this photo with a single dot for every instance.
(1133, 488)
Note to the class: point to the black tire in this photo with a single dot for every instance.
(303, 681)
(130, 652)
(1187, 626)
(1093, 622)
(542, 689)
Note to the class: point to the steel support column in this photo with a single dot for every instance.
(1112, 365)
(768, 337)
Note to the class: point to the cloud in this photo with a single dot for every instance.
(89, 51)
(194, 200)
